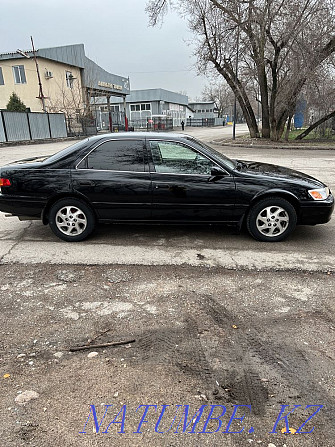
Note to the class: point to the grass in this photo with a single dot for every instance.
(312, 136)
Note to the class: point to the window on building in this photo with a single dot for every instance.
(140, 107)
(69, 79)
(2, 82)
(117, 156)
(19, 74)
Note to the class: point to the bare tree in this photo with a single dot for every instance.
(221, 95)
(74, 101)
(280, 45)
(320, 96)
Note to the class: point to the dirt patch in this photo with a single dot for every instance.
(203, 337)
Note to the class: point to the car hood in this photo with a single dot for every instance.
(275, 171)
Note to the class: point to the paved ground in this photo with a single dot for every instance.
(310, 248)
(217, 319)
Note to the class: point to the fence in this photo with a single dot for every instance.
(22, 126)
(200, 122)
(81, 126)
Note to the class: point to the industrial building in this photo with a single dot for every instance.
(148, 108)
(58, 79)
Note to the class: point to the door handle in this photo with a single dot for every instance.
(162, 186)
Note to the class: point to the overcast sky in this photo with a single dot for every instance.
(116, 36)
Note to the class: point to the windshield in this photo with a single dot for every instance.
(227, 161)
(58, 155)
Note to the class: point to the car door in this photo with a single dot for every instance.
(115, 178)
(183, 187)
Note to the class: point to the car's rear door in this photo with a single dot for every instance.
(114, 177)
(183, 188)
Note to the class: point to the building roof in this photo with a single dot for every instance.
(94, 77)
(155, 94)
(194, 103)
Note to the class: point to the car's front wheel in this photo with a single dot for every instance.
(71, 219)
(271, 219)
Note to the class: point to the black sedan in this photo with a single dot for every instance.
(159, 178)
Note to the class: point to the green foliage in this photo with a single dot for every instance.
(15, 104)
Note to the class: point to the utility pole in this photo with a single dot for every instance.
(41, 96)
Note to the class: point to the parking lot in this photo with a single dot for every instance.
(209, 317)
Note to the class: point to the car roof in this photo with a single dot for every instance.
(142, 135)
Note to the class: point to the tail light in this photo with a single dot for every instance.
(5, 182)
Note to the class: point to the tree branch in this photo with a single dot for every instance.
(316, 124)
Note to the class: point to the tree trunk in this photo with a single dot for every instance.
(242, 98)
(265, 102)
(316, 124)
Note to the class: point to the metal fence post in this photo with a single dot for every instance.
(4, 126)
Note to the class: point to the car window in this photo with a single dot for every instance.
(117, 156)
(227, 161)
(171, 157)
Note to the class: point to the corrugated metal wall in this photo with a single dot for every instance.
(39, 126)
(57, 125)
(21, 126)
(17, 127)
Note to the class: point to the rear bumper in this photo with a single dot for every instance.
(313, 213)
(21, 206)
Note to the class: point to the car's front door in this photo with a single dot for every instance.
(183, 186)
(115, 178)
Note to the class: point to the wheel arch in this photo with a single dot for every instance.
(290, 197)
(60, 196)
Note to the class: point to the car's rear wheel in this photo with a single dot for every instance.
(71, 220)
(271, 219)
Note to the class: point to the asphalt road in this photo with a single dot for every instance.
(216, 318)
(308, 248)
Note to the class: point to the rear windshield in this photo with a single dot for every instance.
(68, 150)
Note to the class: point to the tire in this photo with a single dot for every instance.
(71, 219)
(271, 220)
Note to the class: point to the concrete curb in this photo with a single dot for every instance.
(246, 145)
(43, 141)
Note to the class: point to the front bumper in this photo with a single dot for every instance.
(316, 212)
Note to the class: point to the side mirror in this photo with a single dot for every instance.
(218, 172)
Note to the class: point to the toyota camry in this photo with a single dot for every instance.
(159, 178)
